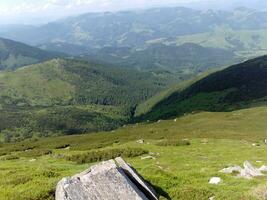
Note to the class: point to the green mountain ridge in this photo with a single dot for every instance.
(72, 96)
(239, 86)
(15, 54)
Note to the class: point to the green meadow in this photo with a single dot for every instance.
(185, 154)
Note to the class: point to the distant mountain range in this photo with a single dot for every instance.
(228, 4)
(135, 28)
(241, 32)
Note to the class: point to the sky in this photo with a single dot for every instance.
(41, 11)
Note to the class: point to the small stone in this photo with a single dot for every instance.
(231, 170)
(175, 120)
(160, 167)
(215, 180)
(148, 158)
(141, 141)
(212, 198)
(204, 141)
(263, 168)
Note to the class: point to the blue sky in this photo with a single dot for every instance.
(32, 11)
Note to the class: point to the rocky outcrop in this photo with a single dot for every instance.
(110, 180)
(248, 172)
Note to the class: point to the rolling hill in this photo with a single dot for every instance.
(15, 54)
(185, 60)
(71, 96)
(239, 86)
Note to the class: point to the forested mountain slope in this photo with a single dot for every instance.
(239, 86)
(71, 96)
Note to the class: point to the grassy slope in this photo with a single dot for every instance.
(239, 86)
(246, 43)
(148, 105)
(182, 172)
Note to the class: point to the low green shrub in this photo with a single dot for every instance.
(62, 146)
(174, 142)
(35, 153)
(18, 179)
(50, 173)
(3, 152)
(96, 156)
(9, 157)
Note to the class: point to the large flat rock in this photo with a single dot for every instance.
(109, 180)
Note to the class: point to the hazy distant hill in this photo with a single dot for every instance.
(135, 28)
(66, 48)
(188, 58)
(240, 86)
(15, 54)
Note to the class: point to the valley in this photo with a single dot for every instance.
(179, 93)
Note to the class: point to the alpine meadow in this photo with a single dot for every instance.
(147, 100)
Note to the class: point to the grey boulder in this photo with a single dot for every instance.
(109, 180)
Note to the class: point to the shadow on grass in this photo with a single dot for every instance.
(160, 191)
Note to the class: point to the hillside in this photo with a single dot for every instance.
(239, 86)
(71, 96)
(177, 157)
(245, 43)
(185, 60)
(15, 54)
(66, 48)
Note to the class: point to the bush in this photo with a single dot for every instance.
(62, 146)
(10, 157)
(50, 173)
(174, 142)
(35, 153)
(96, 156)
(18, 179)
